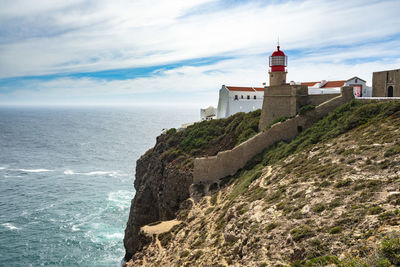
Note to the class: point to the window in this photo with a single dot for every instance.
(241, 97)
(236, 97)
(255, 97)
(248, 97)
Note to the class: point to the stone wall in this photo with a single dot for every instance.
(225, 163)
(382, 80)
(320, 98)
(282, 100)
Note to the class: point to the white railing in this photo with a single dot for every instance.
(377, 98)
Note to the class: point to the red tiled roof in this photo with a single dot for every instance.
(330, 84)
(246, 89)
(334, 84)
(259, 89)
(309, 83)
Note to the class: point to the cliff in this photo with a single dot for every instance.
(330, 196)
(164, 173)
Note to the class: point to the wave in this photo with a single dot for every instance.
(109, 173)
(69, 172)
(34, 170)
(10, 226)
(75, 228)
(121, 198)
(2, 168)
(97, 173)
(114, 236)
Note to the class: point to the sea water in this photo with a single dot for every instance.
(66, 180)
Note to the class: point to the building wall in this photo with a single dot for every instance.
(382, 80)
(366, 91)
(282, 100)
(277, 78)
(223, 99)
(225, 163)
(227, 105)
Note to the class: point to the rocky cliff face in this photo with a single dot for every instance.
(160, 188)
(331, 196)
(164, 173)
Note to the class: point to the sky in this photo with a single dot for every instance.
(180, 52)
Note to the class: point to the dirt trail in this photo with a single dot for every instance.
(160, 228)
(266, 174)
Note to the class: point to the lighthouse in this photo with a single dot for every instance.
(277, 64)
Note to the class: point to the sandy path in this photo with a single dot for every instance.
(268, 173)
(160, 228)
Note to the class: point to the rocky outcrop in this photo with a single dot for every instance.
(331, 196)
(160, 188)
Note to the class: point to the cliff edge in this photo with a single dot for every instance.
(165, 172)
(330, 196)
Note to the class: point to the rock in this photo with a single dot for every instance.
(230, 237)
(160, 189)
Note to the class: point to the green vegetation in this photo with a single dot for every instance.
(301, 232)
(271, 226)
(305, 108)
(210, 137)
(388, 255)
(165, 238)
(335, 230)
(375, 210)
(343, 119)
(280, 119)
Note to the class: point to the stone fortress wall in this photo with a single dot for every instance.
(225, 163)
(386, 83)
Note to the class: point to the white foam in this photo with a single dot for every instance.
(121, 198)
(97, 173)
(114, 236)
(2, 168)
(69, 172)
(75, 228)
(35, 170)
(10, 226)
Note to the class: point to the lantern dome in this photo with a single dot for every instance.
(278, 60)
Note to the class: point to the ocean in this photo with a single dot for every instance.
(66, 180)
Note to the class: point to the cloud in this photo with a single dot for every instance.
(324, 39)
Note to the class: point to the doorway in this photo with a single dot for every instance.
(390, 91)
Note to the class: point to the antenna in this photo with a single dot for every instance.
(278, 43)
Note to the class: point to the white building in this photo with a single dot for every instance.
(233, 99)
(208, 113)
(333, 87)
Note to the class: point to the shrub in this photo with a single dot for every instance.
(335, 230)
(319, 208)
(393, 150)
(271, 226)
(391, 249)
(305, 108)
(343, 183)
(165, 238)
(280, 119)
(375, 210)
(301, 232)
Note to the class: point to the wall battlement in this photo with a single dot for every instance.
(225, 163)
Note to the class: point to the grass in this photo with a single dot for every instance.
(342, 120)
(301, 232)
(305, 108)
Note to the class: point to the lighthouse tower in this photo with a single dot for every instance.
(277, 64)
(280, 99)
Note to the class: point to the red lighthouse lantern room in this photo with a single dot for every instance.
(278, 61)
